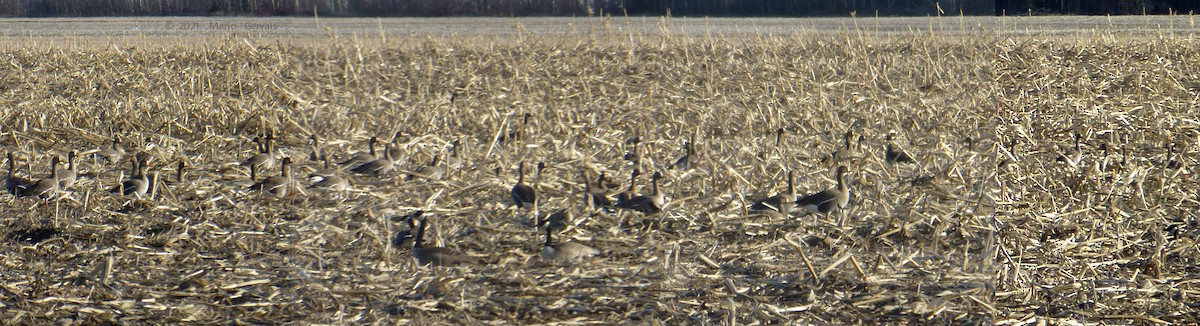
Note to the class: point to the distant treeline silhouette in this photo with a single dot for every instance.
(435, 8)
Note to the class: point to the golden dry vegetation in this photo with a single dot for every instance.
(988, 227)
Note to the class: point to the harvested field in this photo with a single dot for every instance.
(989, 226)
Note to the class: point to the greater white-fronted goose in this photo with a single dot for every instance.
(138, 183)
(379, 166)
(778, 205)
(265, 158)
(14, 184)
(361, 158)
(435, 256)
(68, 176)
(276, 186)
(565, 251)
(522, 194)
(328, 178)
(830, 200)
(846, 153)
(45, 188)
(113, 153)
(431, 171)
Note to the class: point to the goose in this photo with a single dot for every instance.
(138, 183)
(565, 251)
(432, 171)
(845, 153)
(276, 186)
(634, 155)
(379, 166)
(435, 256)
(113, 153)
(13, 183)
(652, 203)
(624, 198)
(404, 238)
(45, 188)
(604, 183)
(685, 162)
(328, 179)
(830, 200)
(68, 176)
(522, 194)
(1072, 156)
(264, 159)
(895, 154)
(778, 205)
(517, 134)
(557, 220)
(361, 157)
(455, 162)
(594, 198)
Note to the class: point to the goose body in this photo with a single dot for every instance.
(651, 203)
(432, 171)
(565, 251)
(778, 205)
(363, 157)
(328, 179)
(895, 154)
(379, 166)
(265, 158)
(113, 153)
(592, 197)
(277, 185)
(14, 184)
(435, 256)
(522, 194)
(68, 176)
(830, 200)
(624, 199)
(44, 188)
(139, 182)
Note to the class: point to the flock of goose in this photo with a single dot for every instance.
(373, 163)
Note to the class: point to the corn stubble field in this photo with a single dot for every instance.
(988, 227)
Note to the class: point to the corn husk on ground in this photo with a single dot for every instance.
(986, 233)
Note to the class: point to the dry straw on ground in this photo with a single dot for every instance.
(997, 232)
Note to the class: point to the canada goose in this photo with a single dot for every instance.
(278, 185)
(432, 171)
(315, 154)
(685, 162)
(634, 155)
(14, 184)
(830, 200)
(594, 199)
(68, 176)
(565, 251)
(522, 194)
(379, 166)
(557, 220)
(361, 157)
(781, 204)
(624, 198)
(113, 153)
(454, 162)
(1173, 160)
(265, 158)
(139, 181)
(895, 154)
(404, 238)
(652, 203)
(45, 188)
(1072, 156)
(435, 256)
(328, 178)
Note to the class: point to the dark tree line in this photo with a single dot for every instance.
(423, 8)
(1095, 7)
